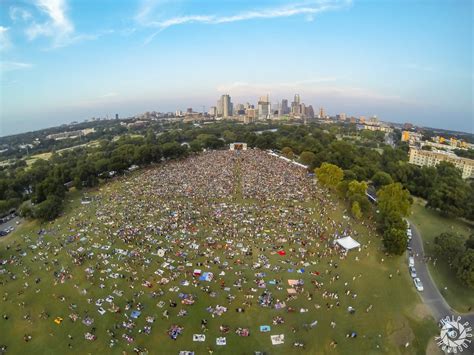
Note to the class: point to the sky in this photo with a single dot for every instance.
(67, 60)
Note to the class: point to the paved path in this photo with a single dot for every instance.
(431, 295)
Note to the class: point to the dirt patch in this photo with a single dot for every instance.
(432, 348)
(402, 334)
(421, 311)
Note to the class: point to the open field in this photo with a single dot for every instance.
(46, 156)
(430, 224)
(252, 223)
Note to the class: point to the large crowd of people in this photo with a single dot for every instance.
(216, 234)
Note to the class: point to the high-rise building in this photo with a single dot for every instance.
(342, 116)
(295, 106)
(212, 111)
(322, 114)
(297, 99)
(189, 110)
(239, 109)
(116, 116)
(284, 109)
(264, 108)
(224, 106)
(309, 112)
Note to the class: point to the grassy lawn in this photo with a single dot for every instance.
(397, 316)
(33, 158)
(430, 224)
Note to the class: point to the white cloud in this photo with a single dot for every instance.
(4, 38)
(6, 66)
(58, 26)
(308, 8)
(18, 13)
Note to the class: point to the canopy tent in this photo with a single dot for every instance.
(348, 243)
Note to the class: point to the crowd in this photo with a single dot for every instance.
(218, 234)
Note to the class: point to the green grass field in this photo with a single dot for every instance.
(397, 316)
(430, 224)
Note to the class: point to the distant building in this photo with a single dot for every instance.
(189, 110)
(322, 114)
(116, 116)
(224, 106)
(296, 106)
(411, 137)
(71, 134)
(342, 117)
(432, 158)
(250, 115)
(264, 108)
(309, 112)
(284, 109)
(213, 111)
(407, 126)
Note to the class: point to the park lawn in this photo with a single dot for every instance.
(430, 224)
(397, 317)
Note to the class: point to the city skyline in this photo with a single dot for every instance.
(62, 61)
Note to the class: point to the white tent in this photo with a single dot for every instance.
(347, 243)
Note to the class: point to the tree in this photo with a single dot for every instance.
(395, 241)
(356, 193)
(329, 175)
(470, 242)
(449, 246)
(465, 268)
(450, 193)
(356, 211)
(356, 189)
(287, 152)
(394, 197)
(49, 209)
(25, 210)
(307, 158)
(381, 178)
(229, 136)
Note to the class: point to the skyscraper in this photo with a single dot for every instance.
(264, 108)
(284, 109)
(224, 106)
(296, 106)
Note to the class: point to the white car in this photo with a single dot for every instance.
(412, 272)
(101, 311)
(411, 261)
(418, 284)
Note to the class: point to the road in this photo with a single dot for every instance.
(11, 223)
(431, 295)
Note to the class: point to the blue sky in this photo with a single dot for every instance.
(404, 61)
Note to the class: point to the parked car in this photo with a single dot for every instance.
(412, 271)
(418, 284)
(411, 261)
